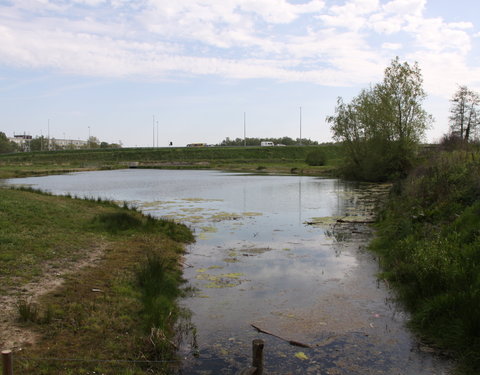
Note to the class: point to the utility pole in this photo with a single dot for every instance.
(157, 133)
(300, 126)
(153, 131)
(244, 129)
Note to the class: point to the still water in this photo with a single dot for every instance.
(259, 261)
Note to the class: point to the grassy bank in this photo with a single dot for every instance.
(108, 306)
(267, 159)
(429, 241)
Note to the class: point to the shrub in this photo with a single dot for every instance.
(316, 158)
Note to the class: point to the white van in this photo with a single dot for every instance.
(265, 143)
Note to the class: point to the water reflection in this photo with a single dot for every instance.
(256, 261)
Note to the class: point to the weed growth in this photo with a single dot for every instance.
(429, 240)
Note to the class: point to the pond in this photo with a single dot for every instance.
(270, 253)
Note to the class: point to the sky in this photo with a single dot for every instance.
(149, 72)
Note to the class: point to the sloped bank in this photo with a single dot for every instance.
(429, 242)
(101, 315)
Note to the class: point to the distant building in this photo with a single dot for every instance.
(22, 140)
(67, 143)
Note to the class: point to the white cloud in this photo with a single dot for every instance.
(444, 71)
(405, 7)
(346, 44)
(436, 35)
(351, 15)
(90, 2)
(392, 46)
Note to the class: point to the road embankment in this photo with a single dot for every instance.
(289, 159)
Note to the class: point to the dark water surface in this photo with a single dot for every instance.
(256, 261)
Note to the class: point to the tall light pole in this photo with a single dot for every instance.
(300, 126)
(153, 136)
(157, 133)
(244, 129)
(88, 144)
(48, 135)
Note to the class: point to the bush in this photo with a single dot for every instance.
(316, 158)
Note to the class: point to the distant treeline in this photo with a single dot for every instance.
(287, 141)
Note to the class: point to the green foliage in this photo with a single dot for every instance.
(6, 146)
(39, 143)
(316, 158)
(381, 128)
(429, 241)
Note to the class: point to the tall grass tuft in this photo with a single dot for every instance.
(118, 221)
(159, 281)
(27, 311)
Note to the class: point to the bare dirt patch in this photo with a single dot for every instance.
(14, 336)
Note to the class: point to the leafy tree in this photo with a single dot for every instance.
(381, 127)
(38, 144)
(465, 113)
(93, 142)
(6, 145)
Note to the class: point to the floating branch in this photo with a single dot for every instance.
(291, 342)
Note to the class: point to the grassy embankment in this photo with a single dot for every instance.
(111, 308)
(429, 242)
(290, 159)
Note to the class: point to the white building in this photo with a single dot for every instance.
(23, 141)
(67, 143)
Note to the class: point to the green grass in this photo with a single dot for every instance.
(100, 312)
(275, 159)
(429, 241)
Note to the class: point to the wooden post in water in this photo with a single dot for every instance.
(257, 359)
(257, 352)
(7, 362)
